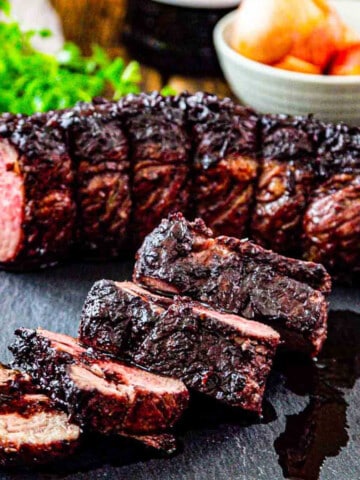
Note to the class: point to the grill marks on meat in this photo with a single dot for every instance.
(225, 138)
(99, 150)
(32, 429)
(101, 394)
(160, 159)
(331, 224)
(286, 180)
(35, 171)
(239, 277)
(221, 355)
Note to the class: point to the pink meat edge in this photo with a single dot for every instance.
(12, 201)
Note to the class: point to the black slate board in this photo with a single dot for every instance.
(311, 416)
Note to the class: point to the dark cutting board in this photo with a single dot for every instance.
(311, 414)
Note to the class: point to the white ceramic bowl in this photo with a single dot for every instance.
(272, 90)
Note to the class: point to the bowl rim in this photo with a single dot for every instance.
(223, 46)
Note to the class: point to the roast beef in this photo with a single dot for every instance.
(221, 355)
(225, 167)
(288, 175)
(100, 394)
(36, 194)
(159, 148)
(99, 152)
(331, 223)
(181, 257)
(32, 429)
(101, 176)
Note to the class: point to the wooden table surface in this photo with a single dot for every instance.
(100, 21)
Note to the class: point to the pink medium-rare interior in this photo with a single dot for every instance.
(248, 328)
(11, 202)
(117, 371)
(146, 295)
(133, 408)
(157, 284)
(140, 378)
(245, 327)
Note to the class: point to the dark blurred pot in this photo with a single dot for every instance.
(175, 36)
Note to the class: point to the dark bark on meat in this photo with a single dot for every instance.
(99, 393)
(40, 159)
(339, 151)
(251, 176)
(286, 180)
(239, 277)
(160, 159)
(225, 143)
(221, 355)
(99, 150)
(32, 429)
(331, 224)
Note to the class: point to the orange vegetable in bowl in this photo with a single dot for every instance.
(323, 41)
(346, 61)
(296, 35)
(295, 64)
(261, 30)
(326, 38)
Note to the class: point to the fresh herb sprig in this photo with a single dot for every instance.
(33, 81)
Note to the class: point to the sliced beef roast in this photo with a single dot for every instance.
(225, 144)
(221, 355)
(159, 148)
(101, 176)
(99, 150)
(237, 276)
(101, 394)
(331, 225)
(32, 429)
(286, 180)
(36, 194)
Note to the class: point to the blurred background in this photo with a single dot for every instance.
(110, 48)
(117, 25)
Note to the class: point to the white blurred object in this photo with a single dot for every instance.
(267, 89)
(37, 15)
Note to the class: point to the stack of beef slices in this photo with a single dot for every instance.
(203, 313)
(239, 277)
(218, 354)
(75, 390)
(33, 430)
(175, 344)
(209, 311)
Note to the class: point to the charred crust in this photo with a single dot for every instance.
(173, 338)
(236, 276)
(75, 379)
(250, 176)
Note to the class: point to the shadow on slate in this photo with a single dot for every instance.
(320, 431)
(94, 452)
(207, 413)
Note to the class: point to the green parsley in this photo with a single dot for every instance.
(32, 81)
